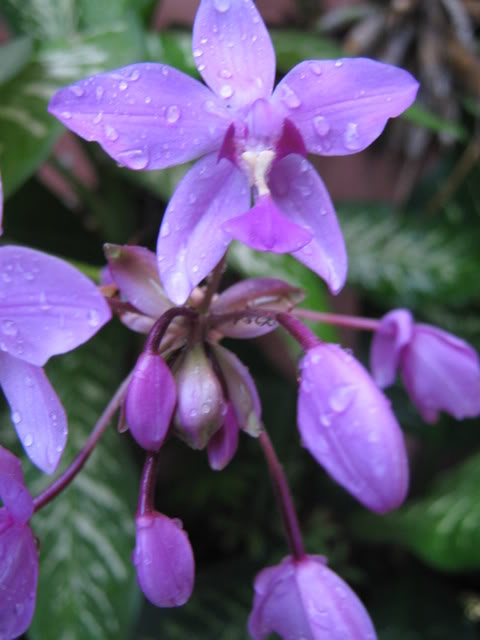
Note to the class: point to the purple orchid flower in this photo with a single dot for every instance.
(305, 599)
(440, 371)
(46, 308)
(18, 554)
(348, 426)
(150, 116)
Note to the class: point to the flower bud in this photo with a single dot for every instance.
(305, 599)
(150, 401)
(164, 560)
(223, 444)
(347, 425)
(200, 403)
(440, 371)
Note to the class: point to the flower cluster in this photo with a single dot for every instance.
(253, 183)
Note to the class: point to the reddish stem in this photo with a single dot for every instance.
(146, 497)
(355, 322)
(302, 334)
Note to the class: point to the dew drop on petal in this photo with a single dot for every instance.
(135, 75)
(123, 85)
(16, 417)
(9, 328)
(316, 68)
(77, 90)
(197, 53)
(148, 100)
(136, 159)
(97, 118)
(172, 114)
(351, 138)
(321, 125)
(225, 74)
(339, 63)
(222, 5)
(165, 230)
(93, 318)
(28, 441)
(341, 398)
(66, 115)
(111, 133)
(201, 67)
(226, 91)
(99, 92)
(289, 97)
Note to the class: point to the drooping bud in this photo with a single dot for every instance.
(242, 392)
(347, 425)
(440, 371)
(164, 560)
(223, 444)
(200, 402)
(305, 599)
(150, 401)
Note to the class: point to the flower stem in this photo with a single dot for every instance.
(302, 334)
(160, 327)
(355, 322)
(213, 284)
(100, 427)
(284, 498)
(146, 497)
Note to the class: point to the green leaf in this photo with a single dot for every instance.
(292, 47)
(87, 586)
(443, 528)
(14, 55)
(27, 130)
(427, 120)
(43, 19)
(173, 48)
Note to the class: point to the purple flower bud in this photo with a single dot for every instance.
(200, 403)
(164, 560)
(304, 599)
(440, 371)
(150, 401)
(347, 425)
(223, 444)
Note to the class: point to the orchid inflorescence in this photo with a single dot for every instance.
(253, 183)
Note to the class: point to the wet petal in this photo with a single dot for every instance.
(13, 492)
(47, 306)
(301, 195)
(223, 444)
(145, 116)
(342, 106)
(264, 228)
(233, 50)
(348, 426)
(191, 240)
(441, 373)
(394, 333)
(164, 560)
(37, 413)
(134, 270)
(18, 580)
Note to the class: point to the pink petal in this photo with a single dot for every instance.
(233, 51)
(18, 580)
(47, 306)
(150, 401)
(13, 492)
(264, 227)
(145, 116)
(305, 599)
(441, 373)
(255, 293)
(37, 414)
(134, 271)
(348, 426)
(164, 560)
(390, 339)
(191, 240)
(301, 195)
(340, 107)
(223, 444)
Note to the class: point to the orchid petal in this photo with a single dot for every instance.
(301, 195)
(348, 426)
(340, 107)
(37, 413)
(47, 306)
(18, 580)
(264, 228)
(392, 336)
(441, 373)
(191, 240)
(134, 270)
(223, 444)
(13, 492)
(145, 116)
(233, 50)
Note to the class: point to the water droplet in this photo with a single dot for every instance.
(66, 114)
(123, 85)
(99, 92)
(226, 91)
(289, 96)
(111, 133)
(93, 318)
(342, 397)
(98, 117)
(193, 413)
(77, 90)
(165, 230)
(351, 138)
(172, 114)
(325, 419)
(197, 53)
(3, 346)
(339, 63)
(316, 68)
(148, 100)
(9, 328)
(204, 40)
(225, 74)
(222, 5)
(134, 159)
(201, 67)
(16, 417)
(28, 441)
(206, 408)
(135, 75)
(321, 125)
(195, 268)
